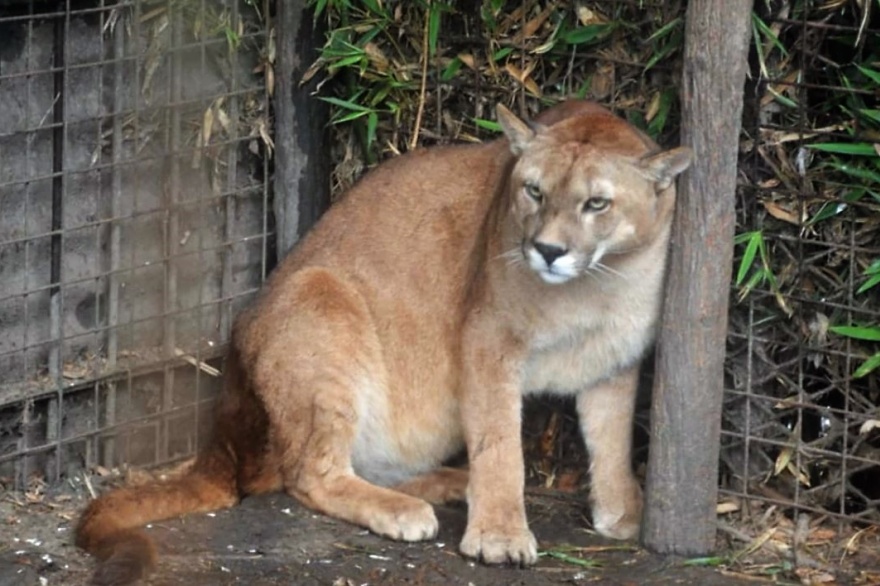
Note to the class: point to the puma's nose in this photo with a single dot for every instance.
(550, 252)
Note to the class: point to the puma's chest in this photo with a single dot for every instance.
(592, 347)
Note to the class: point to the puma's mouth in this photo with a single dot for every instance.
(554, 278)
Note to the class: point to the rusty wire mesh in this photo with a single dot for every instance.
(802, 402)
(134, 166)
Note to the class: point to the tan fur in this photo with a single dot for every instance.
(411, 321)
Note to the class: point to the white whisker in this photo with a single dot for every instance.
(609, 271)
(592, 274)
(512, 253)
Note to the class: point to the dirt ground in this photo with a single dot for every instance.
(273, 540)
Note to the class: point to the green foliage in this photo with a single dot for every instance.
(667, 40)
(570, 559)
(376, 53)
(873, 274)
(749, 274)
(863, 333)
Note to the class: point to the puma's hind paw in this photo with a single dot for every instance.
(620, 518)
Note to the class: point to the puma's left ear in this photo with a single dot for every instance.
(664, 167)
(519, 133)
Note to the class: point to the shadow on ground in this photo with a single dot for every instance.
(273, 540)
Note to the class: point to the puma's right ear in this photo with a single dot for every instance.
(664, 167)
(519, 133)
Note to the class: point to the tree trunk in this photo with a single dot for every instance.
(682, 484)
(302, 159)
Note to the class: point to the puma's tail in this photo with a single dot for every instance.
(109, 528)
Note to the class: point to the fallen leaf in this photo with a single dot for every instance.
(70, 371)
(726, 507)
(653, 107)
(468, 60)
(780, 213)
(568, 481)
(868, 426)
(782, 460)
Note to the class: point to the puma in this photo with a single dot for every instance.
(411, 321)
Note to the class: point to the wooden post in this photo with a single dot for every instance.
(682, 484)
(302, 156)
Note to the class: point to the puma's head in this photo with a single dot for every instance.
(585, 190)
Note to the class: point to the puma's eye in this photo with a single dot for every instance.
(534, 192)
(596, 204)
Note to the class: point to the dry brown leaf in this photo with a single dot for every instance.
(313, 69)
(548, 437)
(72, 371)
(726, 507)
(207, 126)
(809, 576)
(523, 77)
(780, 213)
(868, 426)
(587, 17)
(568, 481)
(532, 26)
(653, 107)
(377, 57)
(802, 476)
(468, 60)
(270, 80)
(823, 534)
(782, 460)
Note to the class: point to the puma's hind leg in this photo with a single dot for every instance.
(321, 386)
(324, 480)
(438, 487)
(606, 418)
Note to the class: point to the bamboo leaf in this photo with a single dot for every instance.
(665, 29)
(845, 148)
(869, 284)
(347, 104)
(585, 34)
(570, 559)
(372, 124)
(767, 32)
(868, 366)
(706, 562)
(874, 75)
(869, 333)
(433, 27)
(748, 259)
(487, 124)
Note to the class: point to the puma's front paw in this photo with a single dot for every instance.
(499, 545)
(409, 520)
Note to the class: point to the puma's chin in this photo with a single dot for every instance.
(554, 278)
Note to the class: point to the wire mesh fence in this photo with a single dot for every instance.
(134, 165)
(802, 405)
